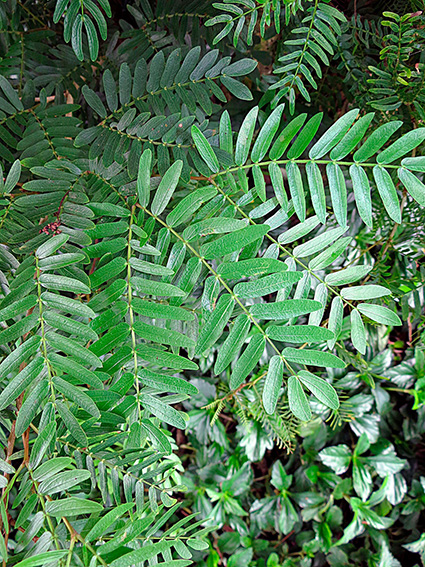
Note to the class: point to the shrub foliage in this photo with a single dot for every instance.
(211, 301)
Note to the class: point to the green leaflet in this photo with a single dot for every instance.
(148, 268)
(266, 284)
(76, 395)
(160, 311)
(154, 288)
(233, 343)
(63, 481)
(285, 137)
(140, 555)
(313, 357)
(166, 383)
(338, 192)
(107, 272)
(402, 146)
(69, 325)
(317, 190)
(105, 229)
(162, 336)
(415, 187)
(348, 275)
(296, 189)
(212, 226)
(388, 193)
(232, 242)
(74, 369)
(361, 189)
(72, 506)
(259, 182)
(319, 243)
(320, 388)
(276, 178)
(66, 304)
(333, 135)
(18, 307)
(225, 133)
(163, 411)
(94, 101)
(358, 333)
(364, 292)
(305, 137)
(214, 325)
(414, 163)
(108, 210)
(19, 355)
(114, 337)
(297, 399)
(250, 268)
(244, 139)
(71, 423)
(284, 309)
(330, 254)
(63, 283)
(158, 436)
(299, 333)
(299, 230)
(166, 359)
(107, 520)
(51, 245)
(144, 177)
(71, 347)
(266, 134)
(166, 188)
(379, 314)
(21, 381)
(247, 361)
(335, 320)
(51, 468)
(352, 137)
(272, 384)
(41, 558)
(31, 407)
(189, 205)
(376, 140)
(205, 149)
